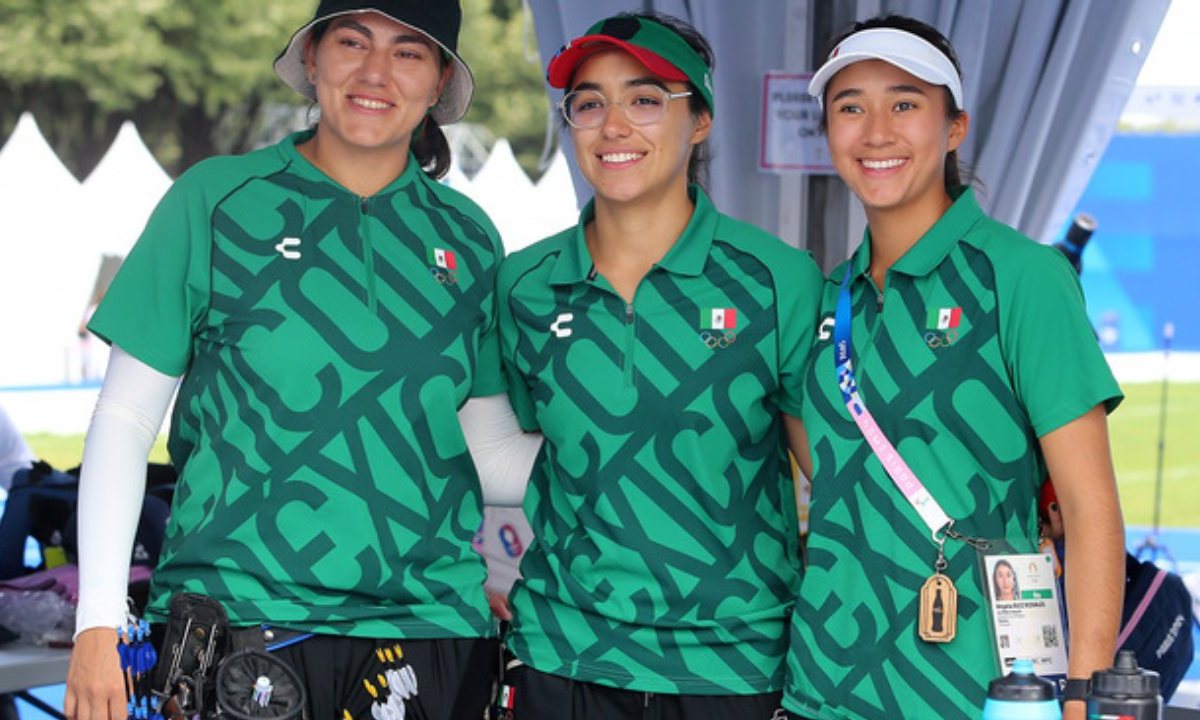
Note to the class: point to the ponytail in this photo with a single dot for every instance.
(431, 148)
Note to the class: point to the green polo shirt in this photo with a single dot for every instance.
(665, 553)
(326, 342)
(978, 346)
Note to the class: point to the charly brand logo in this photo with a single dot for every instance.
(825, 329)
(718, 327)
(559, 326)
(941, 326)
(443, 264)
(286, 248)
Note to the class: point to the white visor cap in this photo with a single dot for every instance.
(906, 51)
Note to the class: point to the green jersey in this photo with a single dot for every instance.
(326, 342)
(665, 556)
(977, 346)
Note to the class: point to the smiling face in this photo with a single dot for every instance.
(889, 135)
(627, 163)
(375, 80)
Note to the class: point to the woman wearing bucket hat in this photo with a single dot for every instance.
(655, 345)
(329, 308)
(959, 367)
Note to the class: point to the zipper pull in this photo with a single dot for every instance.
(628, 312)
(879, 301)
(364, 205)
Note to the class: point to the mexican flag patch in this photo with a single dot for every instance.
(443, 258)
(718, 318)
(943, 318)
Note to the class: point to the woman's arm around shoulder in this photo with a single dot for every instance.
(503, 453)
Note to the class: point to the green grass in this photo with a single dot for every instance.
(1133, 430)
(1134, 433)
(66, 451)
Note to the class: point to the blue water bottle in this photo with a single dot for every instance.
(1021, 695)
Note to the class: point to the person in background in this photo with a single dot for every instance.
(325, 308)
(15, 453)
(656, 345)
(962, 350)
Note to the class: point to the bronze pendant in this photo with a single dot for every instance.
(939, 610)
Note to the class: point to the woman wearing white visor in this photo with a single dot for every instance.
(959, 358)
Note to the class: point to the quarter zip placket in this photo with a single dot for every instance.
(874, 325)
(630, 340)
(364, 231)
(630, 321)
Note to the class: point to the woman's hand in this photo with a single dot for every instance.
(498, 602)
(95, 685)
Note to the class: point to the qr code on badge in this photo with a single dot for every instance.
(1050, 636)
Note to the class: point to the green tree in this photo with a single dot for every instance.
(192, 74)
(498, 42)
(196, 76)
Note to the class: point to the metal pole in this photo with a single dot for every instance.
(1168, 333)
(1150, 547)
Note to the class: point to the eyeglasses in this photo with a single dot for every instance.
(642, 105)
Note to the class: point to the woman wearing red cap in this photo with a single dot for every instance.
(959, 368)
(655, 345)
(329, 307)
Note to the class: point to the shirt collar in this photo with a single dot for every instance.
(939, 240)
(304, 167)
(933, 247)
(686, 257)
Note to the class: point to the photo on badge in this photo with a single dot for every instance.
(1025, 609)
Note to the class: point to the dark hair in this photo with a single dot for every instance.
(701, 158)
(429, 144)
(952, 175)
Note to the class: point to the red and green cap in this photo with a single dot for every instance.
(655, 45)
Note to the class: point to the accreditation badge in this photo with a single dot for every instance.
(1026, 611)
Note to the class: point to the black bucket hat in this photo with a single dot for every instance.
(439, 20)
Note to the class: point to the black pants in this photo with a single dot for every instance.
(443, 679)
(534, 695)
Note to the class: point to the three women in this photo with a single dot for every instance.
(660, 346)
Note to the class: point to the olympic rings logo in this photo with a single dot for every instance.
(444, 276)
(718, 341)
(937, 339)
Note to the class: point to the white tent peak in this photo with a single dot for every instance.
(128, 178)
(128, 160)
(554, 188)
(46, 268)
(29, 162)
(501, 171)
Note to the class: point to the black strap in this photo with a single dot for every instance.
(1076, 689)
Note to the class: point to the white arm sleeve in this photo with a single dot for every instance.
(132, 403)
(503, 453)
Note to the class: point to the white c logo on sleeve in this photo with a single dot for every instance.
(559, 328)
